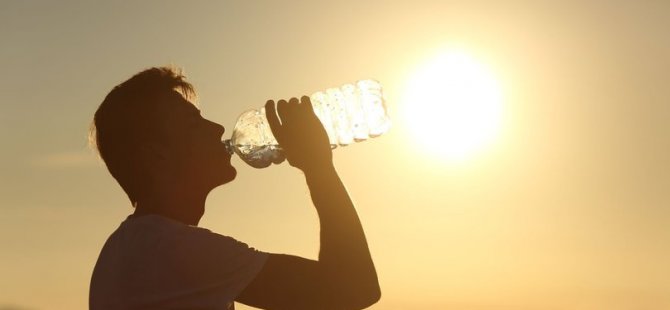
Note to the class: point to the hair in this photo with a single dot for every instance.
(124, 119)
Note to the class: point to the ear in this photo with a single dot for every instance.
(153, 155)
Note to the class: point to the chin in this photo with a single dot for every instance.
(228, 175)
(232, 174)
(219, 172)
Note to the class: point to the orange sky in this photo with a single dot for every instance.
(566, 209)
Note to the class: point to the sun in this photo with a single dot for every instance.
(452, 105)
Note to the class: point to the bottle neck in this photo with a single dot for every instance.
(229, 146)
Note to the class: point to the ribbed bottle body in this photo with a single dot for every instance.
(350, 113)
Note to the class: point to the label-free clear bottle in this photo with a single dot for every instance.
(350, 113)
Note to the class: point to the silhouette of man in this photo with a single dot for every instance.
(167, 158)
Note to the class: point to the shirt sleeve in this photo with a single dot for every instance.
(205, 270)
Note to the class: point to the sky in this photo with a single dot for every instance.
(567, 208)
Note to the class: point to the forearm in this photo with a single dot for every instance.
(344, 250)
(344, 277)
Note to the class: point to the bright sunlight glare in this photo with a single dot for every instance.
(452, 105)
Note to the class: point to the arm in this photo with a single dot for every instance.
(344, 277)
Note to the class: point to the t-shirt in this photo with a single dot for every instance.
(153, 262)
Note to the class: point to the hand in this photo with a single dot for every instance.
(300, 134)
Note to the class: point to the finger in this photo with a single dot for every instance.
(281, 108)
(306, 103)
(273, 121)
(287, 111)
(293, 105)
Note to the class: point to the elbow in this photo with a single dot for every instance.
(373, 296)
(349, 291)
(373, 291)
(362, 298)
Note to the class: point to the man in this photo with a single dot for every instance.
(167, 159)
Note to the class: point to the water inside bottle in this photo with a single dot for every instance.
(351, 113)
(258, 156)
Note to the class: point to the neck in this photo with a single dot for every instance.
(180, 205)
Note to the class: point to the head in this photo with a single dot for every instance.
(150, 134)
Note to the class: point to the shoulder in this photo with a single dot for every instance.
(167, 235)
(163, 231)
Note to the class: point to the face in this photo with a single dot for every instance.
(193, 150)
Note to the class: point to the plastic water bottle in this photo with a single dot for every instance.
(350, 113)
